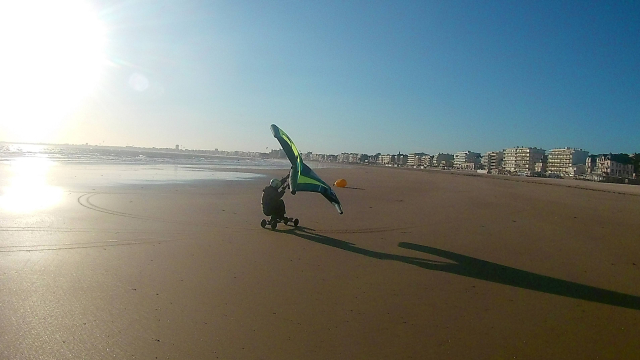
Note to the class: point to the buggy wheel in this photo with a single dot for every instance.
(263, 223)
(296, 222)
(274, 224)
(285, 220)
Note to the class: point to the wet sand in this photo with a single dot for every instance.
(423, 265)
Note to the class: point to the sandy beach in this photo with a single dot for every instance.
(422, 265)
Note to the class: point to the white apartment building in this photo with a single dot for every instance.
(387, 159)
(492, 160)
(466, 159)
(563, 161)
(349, 157)
(427, 160)
(416, 159)
(522, 160)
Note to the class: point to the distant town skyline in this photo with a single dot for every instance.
(179, 147)
(425, 76)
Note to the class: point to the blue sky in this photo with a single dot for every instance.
(365, 76)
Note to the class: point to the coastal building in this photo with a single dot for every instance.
(468, 166)
(576, 170)
(541, 166)
(522, 160)
(308, 156)
(609, 165)
(374, 159)
(492, 161)
(466, 160)
(442, 160)
(563, 161)
(387, 159)
(591, 164)
(402, 159)
(349, 157)
(416, 159)
(428, 160)
(331, 158)
(277, 154)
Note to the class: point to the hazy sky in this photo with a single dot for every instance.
(340, 76)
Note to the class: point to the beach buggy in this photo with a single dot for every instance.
(273, 205)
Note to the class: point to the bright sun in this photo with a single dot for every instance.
(52, 57)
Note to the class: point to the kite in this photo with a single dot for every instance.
(301, 177)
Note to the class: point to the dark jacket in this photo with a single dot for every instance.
(270, 197)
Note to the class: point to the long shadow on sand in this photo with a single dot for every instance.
(483, 270)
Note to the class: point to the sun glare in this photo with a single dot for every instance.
(28, 190)
(53, 54)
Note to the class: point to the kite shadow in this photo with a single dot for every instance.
(470, 267)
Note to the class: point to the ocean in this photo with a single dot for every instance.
(85, 154)
(68, 165)
(37, 177)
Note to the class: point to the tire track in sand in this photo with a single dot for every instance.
(81, 245)
(85, 201)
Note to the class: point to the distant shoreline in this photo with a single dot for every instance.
(622, 189)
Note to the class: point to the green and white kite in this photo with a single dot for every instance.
(302, 178)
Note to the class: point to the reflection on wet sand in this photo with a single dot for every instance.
(27, 190)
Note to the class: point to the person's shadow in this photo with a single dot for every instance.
(483, 270)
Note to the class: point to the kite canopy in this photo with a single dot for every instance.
(302, 178)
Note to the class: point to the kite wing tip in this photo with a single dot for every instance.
(274, 129)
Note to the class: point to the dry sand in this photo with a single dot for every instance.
(423, 265)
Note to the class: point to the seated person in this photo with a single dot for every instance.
(272, 203)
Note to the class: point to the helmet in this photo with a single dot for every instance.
(275, 183)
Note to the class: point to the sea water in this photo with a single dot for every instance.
(70, 165)
(36, 177)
